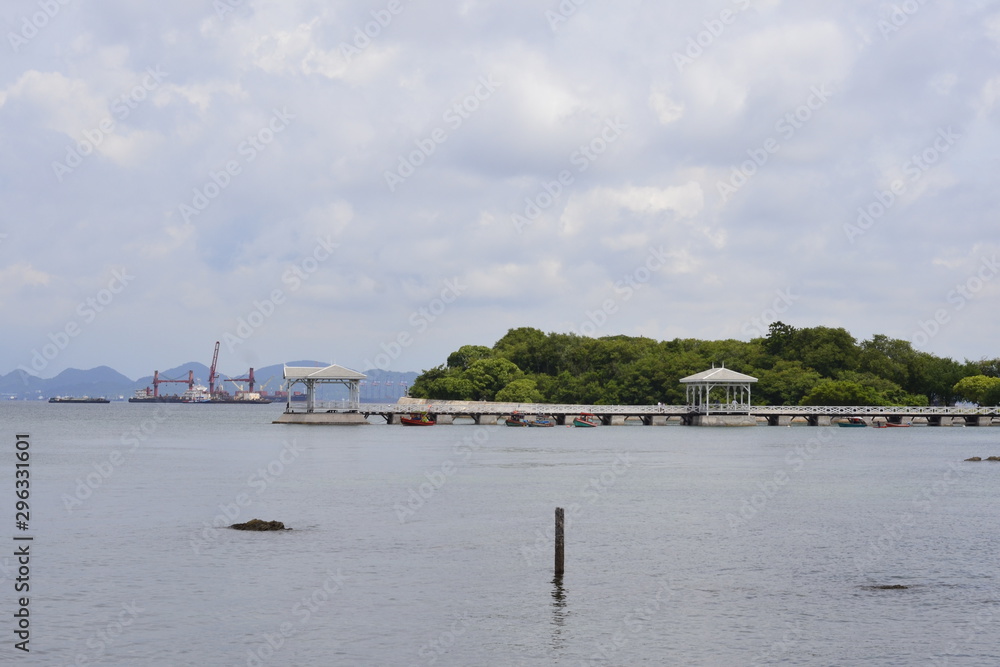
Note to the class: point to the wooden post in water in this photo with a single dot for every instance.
(560, 543)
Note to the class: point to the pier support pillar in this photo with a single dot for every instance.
(723, 420)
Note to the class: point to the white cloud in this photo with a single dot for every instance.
(654, 185)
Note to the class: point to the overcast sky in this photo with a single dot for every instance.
(341, 180)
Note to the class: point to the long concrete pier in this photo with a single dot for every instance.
(451, 412)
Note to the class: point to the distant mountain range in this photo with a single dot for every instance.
(107, 382)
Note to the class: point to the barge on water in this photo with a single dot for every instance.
(195, 396)
(78, 399)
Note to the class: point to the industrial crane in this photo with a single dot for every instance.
(211, 371)
(157, 381)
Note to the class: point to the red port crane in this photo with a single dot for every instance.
(157, 382)
(248, 378)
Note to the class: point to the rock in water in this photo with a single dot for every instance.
(974, 458)
(257, 524)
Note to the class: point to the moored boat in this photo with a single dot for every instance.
(516, 419)
(853, 422)
(78, 399)
(417, 419)
(586, 420)
(540, 422)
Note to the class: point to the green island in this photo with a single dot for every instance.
(806, 366)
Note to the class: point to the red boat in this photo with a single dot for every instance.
(417, 419)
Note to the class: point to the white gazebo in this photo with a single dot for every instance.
(310, 376)
(705, 391)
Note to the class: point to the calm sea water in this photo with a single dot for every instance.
(686, 546)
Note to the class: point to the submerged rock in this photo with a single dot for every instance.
(889, 587)
(974, 458)
(257, 524)
(993, 458)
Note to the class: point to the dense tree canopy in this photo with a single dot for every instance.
(817, 365)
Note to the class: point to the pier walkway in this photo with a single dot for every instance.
(445, 412)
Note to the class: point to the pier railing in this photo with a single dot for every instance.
(472, 409)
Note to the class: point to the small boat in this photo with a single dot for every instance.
(890, 425)
(853, 422)
(516, 419)
(541, 422)
(586, 420)
(417, 419)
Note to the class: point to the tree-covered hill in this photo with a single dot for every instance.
(808, 366)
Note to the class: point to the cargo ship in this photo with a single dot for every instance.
(198, 395)
(78, 399)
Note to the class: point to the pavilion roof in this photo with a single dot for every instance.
(334, 372)
(716, 375)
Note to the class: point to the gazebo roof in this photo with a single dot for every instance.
(718, 375)
(333, 372)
